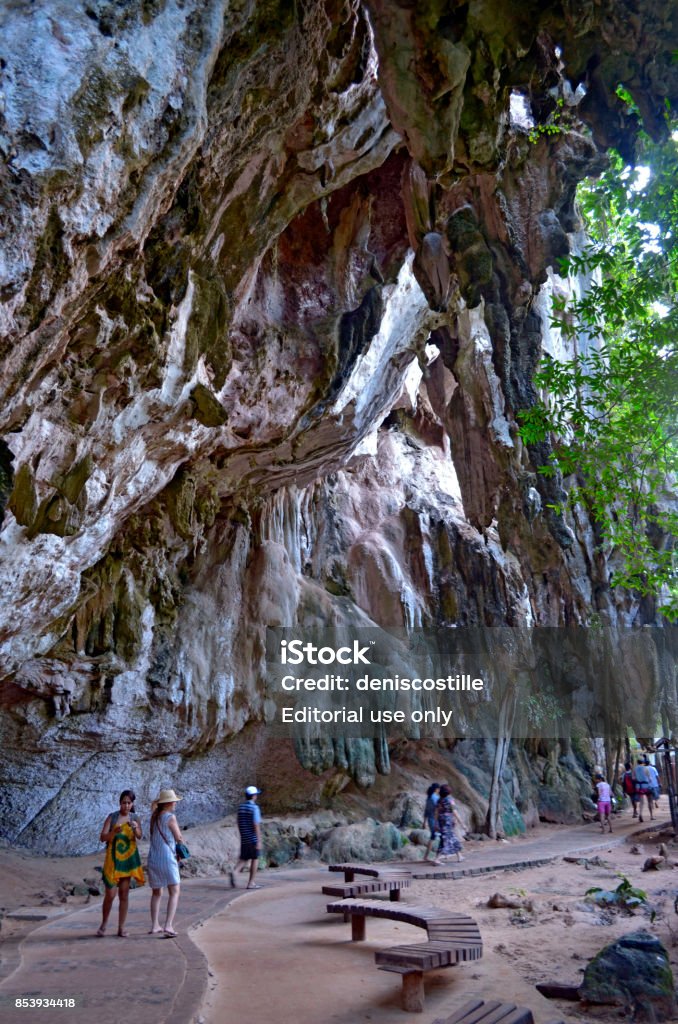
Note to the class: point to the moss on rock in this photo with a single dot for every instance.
(50, 271)
(207, 330)
(207, 409)
(23, 501)
(75, 479)
(180, 497)
(635, 972)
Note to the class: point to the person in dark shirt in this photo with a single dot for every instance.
(249, 826)
(432, 798)
(628, 785)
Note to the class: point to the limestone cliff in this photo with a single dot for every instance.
(274, 278)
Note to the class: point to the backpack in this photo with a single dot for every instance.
(628, 784)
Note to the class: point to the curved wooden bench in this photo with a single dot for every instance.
(478, 1011)
(392, 882)
(452, 938)
(351, 870)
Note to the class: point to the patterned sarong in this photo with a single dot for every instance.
(122, 860)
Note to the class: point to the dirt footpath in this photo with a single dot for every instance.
(277, 956)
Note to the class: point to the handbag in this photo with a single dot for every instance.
(181, 851)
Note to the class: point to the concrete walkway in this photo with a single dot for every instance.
(156, 980)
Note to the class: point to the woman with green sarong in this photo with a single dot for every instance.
(122, 862)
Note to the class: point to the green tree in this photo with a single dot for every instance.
(610, 411)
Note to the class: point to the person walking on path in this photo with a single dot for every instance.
(628, 786)
(604, 802)
(642, 780)
(249, 826)
(446, 817)
(655, 788)
(163, 866)
(122, 862)
(432, 799)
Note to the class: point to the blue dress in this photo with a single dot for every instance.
(163, 866)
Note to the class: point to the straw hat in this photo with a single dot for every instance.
(166, 796)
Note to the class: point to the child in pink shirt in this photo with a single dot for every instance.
(604, 802)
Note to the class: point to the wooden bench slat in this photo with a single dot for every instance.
(454, 933)
(439, 924)
(348, 889)
(405, 948)
(395, 969)
(451, 929)
(452, 922)
(479, 1011)
(437, 957)
(463, 1011)
(456, 944)
(408, 956)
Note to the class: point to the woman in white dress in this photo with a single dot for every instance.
(163, 867)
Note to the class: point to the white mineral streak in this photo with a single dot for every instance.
(173, 390)
(129, 687)
(207, 635)
(286, 521)
(476, 357)
(411, 387)
(405, 322)
(368, 445)
(347, 133)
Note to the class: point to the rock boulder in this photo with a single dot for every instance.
(633, 972)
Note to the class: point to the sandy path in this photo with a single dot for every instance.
(276, 956)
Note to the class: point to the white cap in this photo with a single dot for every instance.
(252, 791)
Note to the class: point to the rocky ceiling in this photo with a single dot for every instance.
(274, 277)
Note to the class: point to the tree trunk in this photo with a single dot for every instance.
(505, 725)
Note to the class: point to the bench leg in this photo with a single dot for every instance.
(394, 895)
(357, 927)
(349, 876)
(413, 991)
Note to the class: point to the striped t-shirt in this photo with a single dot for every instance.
(249, 815)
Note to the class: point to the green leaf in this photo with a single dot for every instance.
(610, 412)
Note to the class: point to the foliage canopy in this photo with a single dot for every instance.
(610, 410)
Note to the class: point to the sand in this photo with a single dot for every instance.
(275, 956)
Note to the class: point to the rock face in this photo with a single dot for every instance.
(273, 282)
(633, 972)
